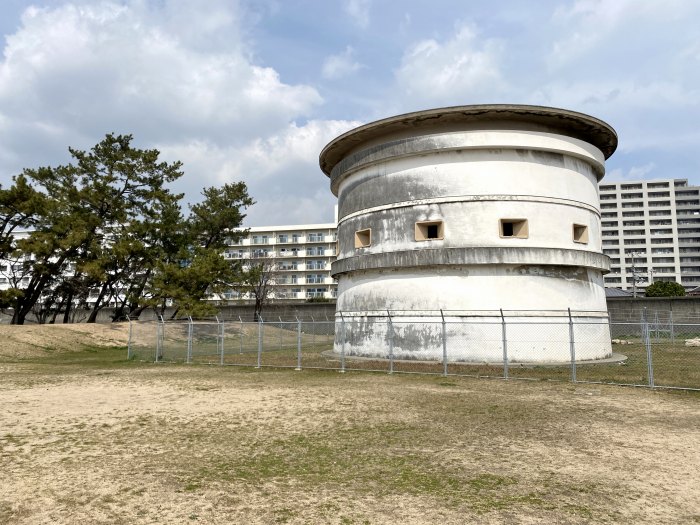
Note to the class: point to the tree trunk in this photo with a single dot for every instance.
(69, 305)
(258, 309)
(57, 311)
(98, 304)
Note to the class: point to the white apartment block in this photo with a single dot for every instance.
(301, 257)
(651, 232)
(301, 254)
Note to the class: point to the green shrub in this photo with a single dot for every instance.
(665, 289)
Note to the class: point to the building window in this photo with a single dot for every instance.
(581, 233)
(314, 237)
(282, 238)
(363, 238)
(517, 228)
(318, 250)
(430, 230)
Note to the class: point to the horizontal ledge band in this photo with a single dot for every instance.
(472, 256)
(468, 140)
(463, 199)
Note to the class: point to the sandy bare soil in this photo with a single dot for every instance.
(40, 340)
(103, 440)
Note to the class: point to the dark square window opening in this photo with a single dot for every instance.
(514, 228)
(428, 231)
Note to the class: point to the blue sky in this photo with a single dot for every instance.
(252, 90)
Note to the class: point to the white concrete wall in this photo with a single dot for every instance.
(475, 339)
(471, 180)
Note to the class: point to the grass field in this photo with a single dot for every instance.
(89, 437)
(675, 365)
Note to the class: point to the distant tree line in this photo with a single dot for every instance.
(107, 229)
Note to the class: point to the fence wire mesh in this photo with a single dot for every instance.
(656, 352)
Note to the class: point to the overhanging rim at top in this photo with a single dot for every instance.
(573, 123)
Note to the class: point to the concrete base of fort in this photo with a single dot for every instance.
(474, 339)
(400, 308)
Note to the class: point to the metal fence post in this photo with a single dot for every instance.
(342, 346)
(572, 348)
(128, 345)
(280, 334)
(240, 351)
(190, 327)
(673, 334)
(298, 345)
(160, 336)
(505, 345)
(391, 343)
(313, 333)
(260, 341)
(647, 344)
(444, 345)
(220, 338)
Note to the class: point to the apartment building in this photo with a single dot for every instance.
(300, 257)
(651, 231)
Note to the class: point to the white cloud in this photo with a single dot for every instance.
(341, 65)
(281, 170)
(463, 69)
(93, 65)
(358, 11)
(632, 173)
(163, 72)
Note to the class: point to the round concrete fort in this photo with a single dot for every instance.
(471, 210)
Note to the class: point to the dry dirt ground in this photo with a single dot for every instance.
(88, 437)
(41, 340)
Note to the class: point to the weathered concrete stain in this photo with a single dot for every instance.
(470, 169)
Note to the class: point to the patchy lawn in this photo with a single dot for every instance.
(89, 437)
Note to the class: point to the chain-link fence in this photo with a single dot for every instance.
(558, 346)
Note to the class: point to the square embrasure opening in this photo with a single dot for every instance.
(581, 233)
(363, 238)
(430, 230)
(516, 228)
